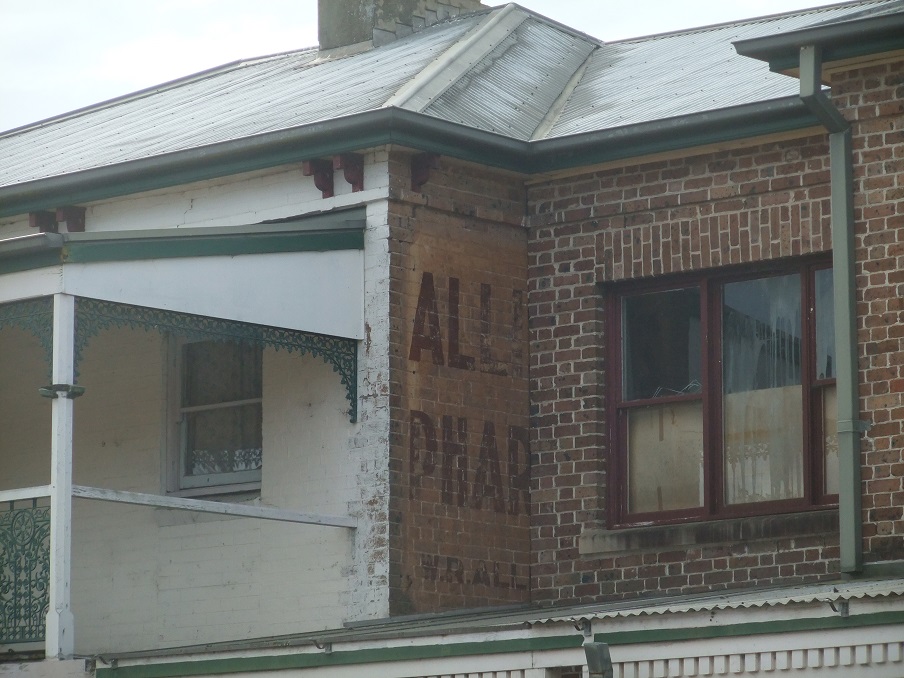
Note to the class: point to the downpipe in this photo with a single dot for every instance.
(850, 522)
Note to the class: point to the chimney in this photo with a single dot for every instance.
(348, 22)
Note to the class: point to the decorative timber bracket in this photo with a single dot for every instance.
(352, 166)
(322, 171)
(421, 164)
(71, 216)
(44, 221)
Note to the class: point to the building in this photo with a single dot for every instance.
(459, 346)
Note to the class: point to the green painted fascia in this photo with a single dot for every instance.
(169, 247)
(392, 126)
(704, 136)
(32, 260)
(791, 60)
(179, 246)
(322, 659)
(426, 652)
(750, 629)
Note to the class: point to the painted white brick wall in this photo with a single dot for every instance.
(144, 577)
(24, 415)
(243, 199)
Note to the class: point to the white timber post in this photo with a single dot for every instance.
(59, 641)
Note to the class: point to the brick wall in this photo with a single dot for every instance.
(760, 203)
(458, 358)
(873, 100)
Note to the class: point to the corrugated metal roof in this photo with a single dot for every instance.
(520, 617)
(740, 599)
(682, 73)
(511, 90)
(236, 101)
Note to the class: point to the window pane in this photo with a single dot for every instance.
(665, 457)
(830, 438)
(218, 372)
(662, 344)
(825, 325)
(762, 404)
(226, 440)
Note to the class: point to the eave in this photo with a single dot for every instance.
(409, 129)
(842, 41)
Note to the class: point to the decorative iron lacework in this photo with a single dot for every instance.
(34, 316)
(24, 572)
(93, 315)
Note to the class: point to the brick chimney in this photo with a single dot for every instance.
(349, 22)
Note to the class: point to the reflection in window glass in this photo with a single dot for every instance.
(830, 438)
(662, 344)
(762, 404)
(825, 325)
(665, 457)
(221, 413)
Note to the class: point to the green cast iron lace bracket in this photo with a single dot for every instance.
(93, 315)
(34, 316)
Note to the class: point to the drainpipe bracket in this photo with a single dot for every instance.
(853, 426)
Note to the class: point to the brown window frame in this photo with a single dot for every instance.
(710, 285)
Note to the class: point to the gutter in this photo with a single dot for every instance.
(412, 130)
(35, 243)
(842, 216)
(843, 39)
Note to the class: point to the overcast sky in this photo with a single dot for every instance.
(59, 55)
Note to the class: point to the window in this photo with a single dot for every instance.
(725, 397)
(216, 437)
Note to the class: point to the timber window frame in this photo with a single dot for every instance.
(683, 447)
(201, 415)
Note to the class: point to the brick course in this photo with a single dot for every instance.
(761, 203)
(765, 202)
(459, 530)
(873, 100)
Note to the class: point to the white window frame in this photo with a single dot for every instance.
(176, 482)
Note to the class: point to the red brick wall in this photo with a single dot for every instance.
(873, 100)
(459, 523)
(686, 214)
(761, 203)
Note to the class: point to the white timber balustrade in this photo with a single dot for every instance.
(60, 639)
(220, 508)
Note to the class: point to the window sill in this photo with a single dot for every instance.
(735, 530)
(220, 492)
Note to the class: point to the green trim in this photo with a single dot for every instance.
(425, 652)
(176, 246)
(36, 317)
(790, 60)
(750, 629)
(31, 261)
(414, 130)
(651, 145)
(320, 659)
(94, 315)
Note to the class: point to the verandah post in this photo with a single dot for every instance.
(59, 641)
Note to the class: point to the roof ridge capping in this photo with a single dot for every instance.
(872, 27)
(440, 74)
